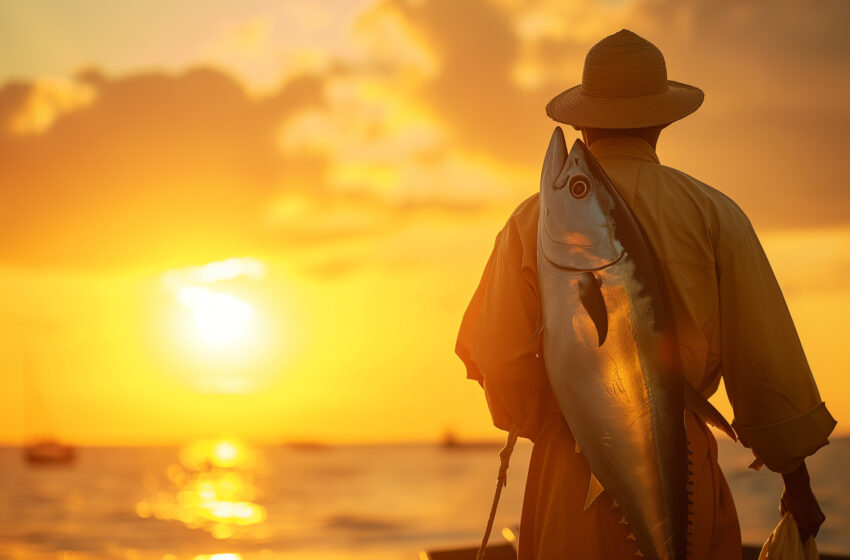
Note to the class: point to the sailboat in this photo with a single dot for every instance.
(45, 450)
(49, 452)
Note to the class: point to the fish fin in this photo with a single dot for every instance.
(594, 303)
(757, 464)
(594, 488)
(705, 410)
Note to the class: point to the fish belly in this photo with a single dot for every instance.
(618, 399)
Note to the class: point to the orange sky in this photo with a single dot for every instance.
(350, 165)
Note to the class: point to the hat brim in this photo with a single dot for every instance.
(575, 108)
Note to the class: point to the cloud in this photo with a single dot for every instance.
(435, 110)
(155, 166)
(769, 133)
(44, 101)
(179, 169)
(251, 37)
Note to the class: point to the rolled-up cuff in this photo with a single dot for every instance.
(783, 446)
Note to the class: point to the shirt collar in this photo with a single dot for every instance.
(624, 147)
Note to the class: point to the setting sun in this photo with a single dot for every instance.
(225, 453)
(224, 327)
(220, 320)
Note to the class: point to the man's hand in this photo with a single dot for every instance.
(799, 500)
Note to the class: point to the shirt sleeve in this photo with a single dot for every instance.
(778, 410)
(498, 342)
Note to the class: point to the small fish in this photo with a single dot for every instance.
(610, 350)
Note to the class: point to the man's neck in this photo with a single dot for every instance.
(650, 134)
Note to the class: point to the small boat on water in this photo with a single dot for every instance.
(451, 442)
(49, 452)
(43, 449)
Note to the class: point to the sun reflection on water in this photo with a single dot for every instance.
(212, 488)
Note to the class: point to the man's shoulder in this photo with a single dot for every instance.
(710, 199)
(724, 219)
(517, 240)
(524, 217)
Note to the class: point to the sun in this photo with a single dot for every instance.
(219, 320)
(222, 333)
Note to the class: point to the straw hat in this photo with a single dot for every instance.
(624, 85)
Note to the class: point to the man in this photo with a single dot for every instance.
(729, 313)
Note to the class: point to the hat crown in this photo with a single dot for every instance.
(624, 65)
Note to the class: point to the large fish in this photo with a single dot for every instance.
(610, 351)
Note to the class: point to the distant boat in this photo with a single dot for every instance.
(44, 448)
(49, 452)
(306, 445)
(451, 442)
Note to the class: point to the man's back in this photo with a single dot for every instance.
(729, 314)
(731, 322)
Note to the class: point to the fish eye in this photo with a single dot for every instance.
(579, 187)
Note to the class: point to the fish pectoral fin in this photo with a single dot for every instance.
(705, 410)
(594, 488)
(590, 293)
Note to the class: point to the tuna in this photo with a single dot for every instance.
(610, 350)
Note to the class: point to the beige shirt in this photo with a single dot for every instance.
(730, 315)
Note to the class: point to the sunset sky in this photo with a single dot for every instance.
(264, 219)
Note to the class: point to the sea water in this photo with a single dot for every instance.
(317, 502)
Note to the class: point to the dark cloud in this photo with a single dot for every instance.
(474, 92)
(157, 166)
(771, 132)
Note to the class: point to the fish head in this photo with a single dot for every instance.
(576, 228)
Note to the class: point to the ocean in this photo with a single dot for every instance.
(222, 500)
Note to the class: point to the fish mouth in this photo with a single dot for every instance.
(574, 269)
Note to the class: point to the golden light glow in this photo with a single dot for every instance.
(222, 453)
(227, 269)
(48, 99)
(212, 489)
(225, 454)
(222, 329)
(220, 320)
